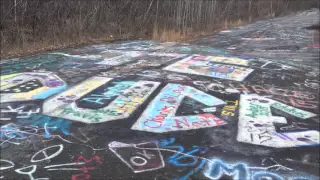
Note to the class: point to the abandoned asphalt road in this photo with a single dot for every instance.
(241, 104)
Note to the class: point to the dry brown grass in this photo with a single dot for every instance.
(36, 26)
(190, 35)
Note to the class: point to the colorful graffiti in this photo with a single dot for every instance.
(30, 86)
(234, 105)
(138, 157)
(160, 115)
(219, 169)
(94, 101)
(256, 124)
(202, 65)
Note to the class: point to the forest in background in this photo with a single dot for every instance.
(29, 26)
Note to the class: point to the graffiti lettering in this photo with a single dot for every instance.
(161, 118)
(230, 108)
(217, 168)
(99, 109)
(199, 65)
(256, 124)
(138, 157)
(85, 169)
(182, 159)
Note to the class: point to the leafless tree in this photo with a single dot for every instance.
(36, 25)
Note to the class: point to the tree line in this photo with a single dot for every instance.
(38, 24)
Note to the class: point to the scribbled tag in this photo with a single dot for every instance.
(138, 157)
(256, 124)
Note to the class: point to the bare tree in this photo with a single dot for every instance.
(36, 25)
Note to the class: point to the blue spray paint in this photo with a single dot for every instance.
(45, 122)
(266, 175)
(175, 159)
(185, 177)
(240, 171)
(176, 162)
(165, 143)
(12, 131)
(50, 92)
(216, 169)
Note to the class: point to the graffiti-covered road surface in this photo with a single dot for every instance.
(242, 104)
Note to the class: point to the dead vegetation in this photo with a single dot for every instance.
(37, 25)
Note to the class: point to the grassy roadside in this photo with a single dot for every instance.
(165, 35)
